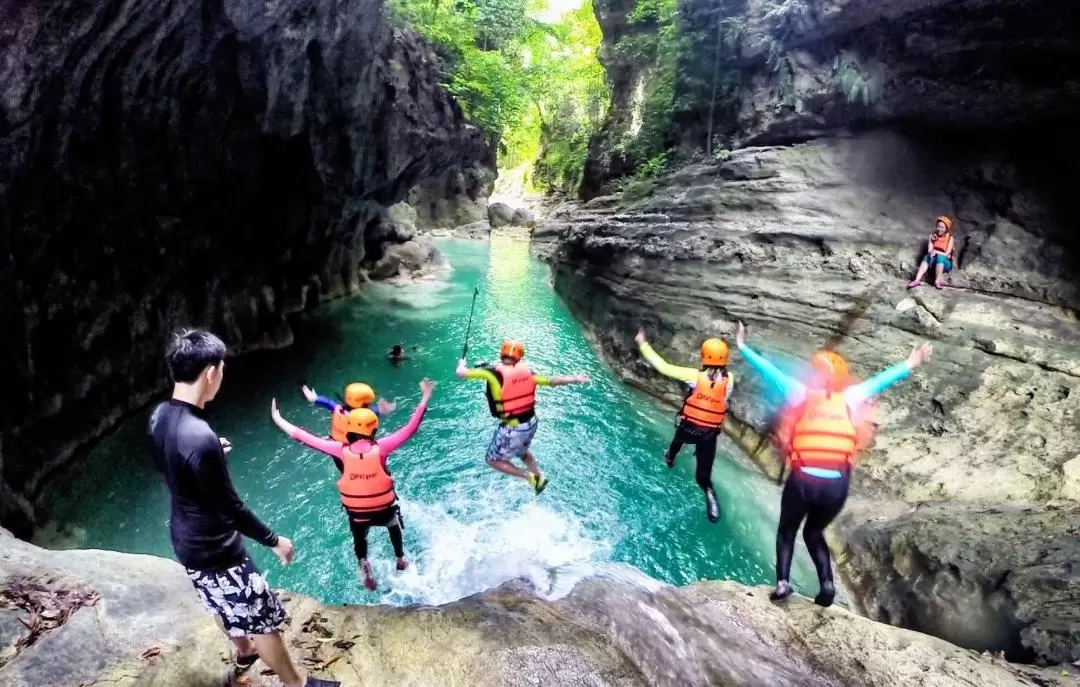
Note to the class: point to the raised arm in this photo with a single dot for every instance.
(793, 390)
(863, 392)
(315, 399)
(394, 440)
(682, 374)
(328, 446)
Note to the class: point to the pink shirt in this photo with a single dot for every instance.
(387, 444)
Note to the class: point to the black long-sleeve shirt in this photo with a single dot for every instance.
(206, 516)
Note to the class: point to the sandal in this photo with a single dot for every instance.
(242, 664)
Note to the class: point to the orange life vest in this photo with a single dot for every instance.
(338, 426)
(706, 404)
(943, 243)
(518, 391)
(365, 485)
(824, 435)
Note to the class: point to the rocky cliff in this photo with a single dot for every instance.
(964, 515)
(791, 70)
(815, 243)
(219, 163)
(102, 618)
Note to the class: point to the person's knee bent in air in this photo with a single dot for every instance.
(511, 395)
(701, 417)
(366, 487)
(823, 438)
(940, 253)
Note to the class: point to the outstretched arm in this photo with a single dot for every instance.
(315, 399)
(327, 446)
(394, 440)
(861, 393)
(682, 374)
(560, 381)
(793, 390)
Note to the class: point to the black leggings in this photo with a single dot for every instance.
(390, 519)
(817, 500)
(704, 441)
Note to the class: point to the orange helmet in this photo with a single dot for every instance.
(359, 395)
(714, 353)
(362, 421)
(831, 369)
(946, 221)
(514, 350)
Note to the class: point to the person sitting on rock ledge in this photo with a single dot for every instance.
(940, 250)
(367, 489)
(820, 448)
(703, 410)
(207, 518)
(357, 395)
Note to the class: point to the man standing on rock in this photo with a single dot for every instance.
(820, 436)
(703, 411)
(207, 518)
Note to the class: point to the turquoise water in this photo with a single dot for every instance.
(468, 528)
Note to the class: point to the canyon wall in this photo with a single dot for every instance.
(173, 162)
(964, 515)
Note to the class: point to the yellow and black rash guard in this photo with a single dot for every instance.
(494, 393)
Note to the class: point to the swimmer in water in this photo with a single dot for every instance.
(397, 355)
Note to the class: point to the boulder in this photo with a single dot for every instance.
(500, 215)
(523, 218)
(411, 258)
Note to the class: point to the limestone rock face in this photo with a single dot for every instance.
(617, 629)
(815, 243)
(187, 163)
(793, 70)
(500, 215)
(454, 198)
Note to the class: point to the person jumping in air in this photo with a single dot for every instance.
(940, 250)
(357, 395)
(511, 394)
(821, 441)
(366, 486)
(703, 410)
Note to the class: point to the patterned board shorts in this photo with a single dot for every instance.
(241, 597)
(511, 442)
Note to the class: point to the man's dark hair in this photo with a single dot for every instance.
(190, 352)
(396, 349)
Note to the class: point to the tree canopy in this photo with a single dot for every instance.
(536, 88)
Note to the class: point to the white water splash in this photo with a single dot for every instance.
(462, 558)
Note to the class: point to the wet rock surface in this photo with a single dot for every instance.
(815, 243)
(617, 629)
(187, 163)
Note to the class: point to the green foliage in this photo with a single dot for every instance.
(535, 87)
(655, 166)
(722, 155)
(689, 48)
